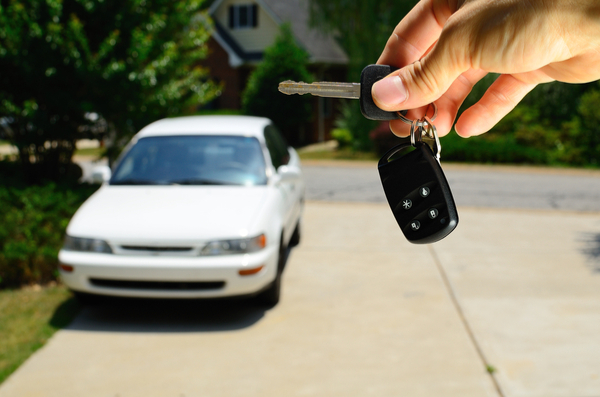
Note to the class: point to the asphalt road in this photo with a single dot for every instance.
(472, 186)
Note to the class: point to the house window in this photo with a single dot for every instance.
(243, 16)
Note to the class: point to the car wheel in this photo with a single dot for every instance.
(270, 296)
(295, 240)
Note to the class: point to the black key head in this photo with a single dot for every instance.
(368, 77)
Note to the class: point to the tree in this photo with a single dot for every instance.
(587, 132)
(68, 65)
(362, 28)
(284, 60)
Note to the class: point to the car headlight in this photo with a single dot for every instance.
(237, 246)
(86, 245)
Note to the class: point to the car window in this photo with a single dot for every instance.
(277, 146)
(192, 160)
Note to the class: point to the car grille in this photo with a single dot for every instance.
(159, 285)
(156, 249)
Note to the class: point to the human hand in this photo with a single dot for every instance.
(444, 47)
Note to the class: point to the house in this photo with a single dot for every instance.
(244, 28)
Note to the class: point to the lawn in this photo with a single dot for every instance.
(339, 154)
(28, 318)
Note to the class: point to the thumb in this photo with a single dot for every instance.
(420, 83)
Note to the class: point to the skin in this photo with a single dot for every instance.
(444, 47)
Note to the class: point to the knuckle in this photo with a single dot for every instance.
(426, 81)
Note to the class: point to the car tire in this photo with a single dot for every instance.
(270, 297)
(295, 240)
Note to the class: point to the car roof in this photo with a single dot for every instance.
(207, 125)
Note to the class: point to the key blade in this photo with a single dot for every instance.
(321, 88)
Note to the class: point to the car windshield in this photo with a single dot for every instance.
(192, 160)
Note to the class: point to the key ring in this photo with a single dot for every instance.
(424, 131)
(420, 122)
(431, 137)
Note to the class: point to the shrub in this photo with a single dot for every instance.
(383, 138)
(33, 220)
(284, 60)
(342, 136)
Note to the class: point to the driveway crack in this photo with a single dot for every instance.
(461, 314)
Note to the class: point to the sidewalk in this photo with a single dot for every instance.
(364, 313)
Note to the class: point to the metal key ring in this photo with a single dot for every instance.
(409, 121)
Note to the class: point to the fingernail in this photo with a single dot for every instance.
(389, 91)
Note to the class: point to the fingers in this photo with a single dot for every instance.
(448, 105)
(424, 81)
(412, 38)
(451, 101)
(415, 34)
(502, 97)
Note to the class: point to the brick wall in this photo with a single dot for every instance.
(218, 64)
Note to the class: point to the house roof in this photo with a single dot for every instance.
(321, 47)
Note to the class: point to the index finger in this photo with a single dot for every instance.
(416, 33)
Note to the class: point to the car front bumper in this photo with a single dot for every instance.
(168, 277)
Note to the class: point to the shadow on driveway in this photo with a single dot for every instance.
(173, 315)
(591, 249)
(111, 314)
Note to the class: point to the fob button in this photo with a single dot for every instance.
(415, 225)
(424, 191)
(433, 213)
(407, 204)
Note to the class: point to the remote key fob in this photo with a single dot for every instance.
(418, 193)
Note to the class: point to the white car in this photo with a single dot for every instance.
(201, 206)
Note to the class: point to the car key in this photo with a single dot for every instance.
(416, 187)
(362, 91)
(414, 183)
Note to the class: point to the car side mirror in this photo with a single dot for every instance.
(101, 174)
(289, 173)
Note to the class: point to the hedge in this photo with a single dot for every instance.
(33, 220)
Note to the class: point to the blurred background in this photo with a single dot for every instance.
(78, 78)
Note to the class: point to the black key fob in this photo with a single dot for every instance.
(418, 193)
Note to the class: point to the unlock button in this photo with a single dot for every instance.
(433, 213)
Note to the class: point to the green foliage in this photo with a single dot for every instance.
(284, 60)
(524, 136)
(351, 119)
(33, 220)
(129, 62)
(362, 28)
(342, 136)
(490, 148)
(586, 127)
(555, 124)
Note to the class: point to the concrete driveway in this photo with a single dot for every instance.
(507, 305)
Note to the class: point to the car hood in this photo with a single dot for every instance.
(168, 213)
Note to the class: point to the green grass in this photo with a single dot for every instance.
(340, 154)
(91, 152)
(28, 318)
